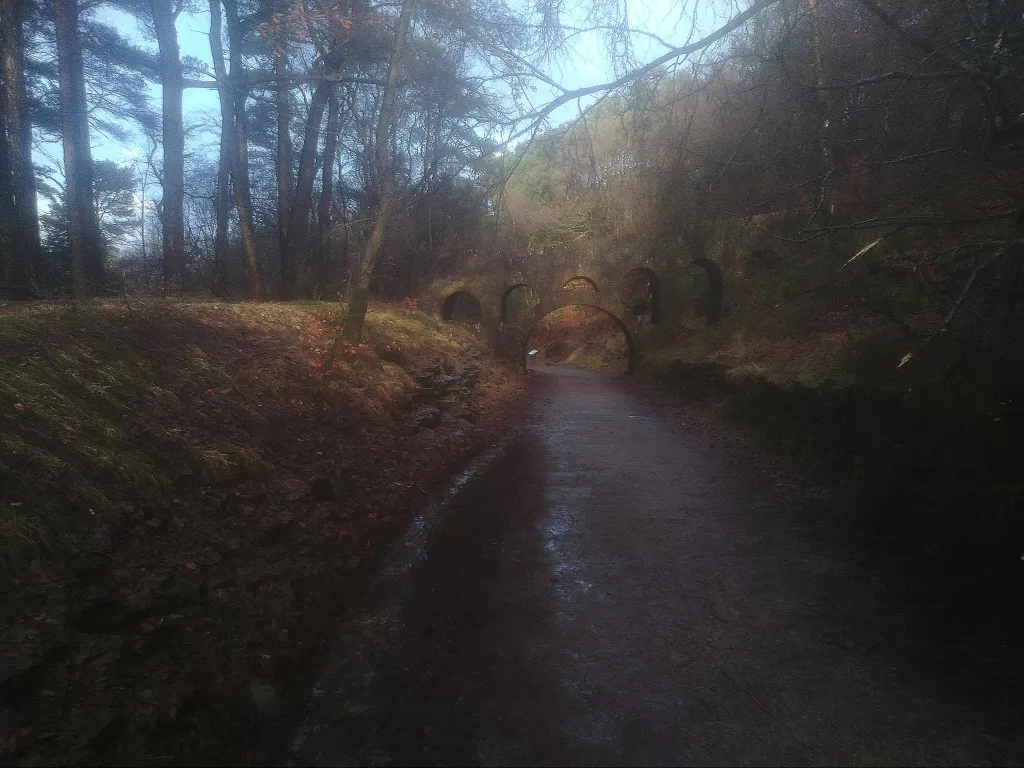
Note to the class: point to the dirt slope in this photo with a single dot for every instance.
(190, 495)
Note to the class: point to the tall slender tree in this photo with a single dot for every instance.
(8, 215)
(173, 204)
(222, 194)
(18, 127)
(237, 94)
(325, 204)
(385, 163)
(87, 251)
(302, 195)
(285, 161)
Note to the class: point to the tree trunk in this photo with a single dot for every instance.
(285, 161)
(323, 211)
(302, 197)
(255, 288)
(8, 214)
(344, 266)
(173, 206)
(19, 141)
(356, 316)
(222, 198)
(222, 212)
(87, 249)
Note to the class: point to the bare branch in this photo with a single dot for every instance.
(921, 221)
(920, 41)
(322, 77)
(902, 76)
(684, 50)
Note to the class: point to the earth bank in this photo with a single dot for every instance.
(192, 494)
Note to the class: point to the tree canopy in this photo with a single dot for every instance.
(363, 145)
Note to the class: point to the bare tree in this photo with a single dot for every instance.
(87, 250)
(173, 204)
(234, 147)
(324, 205)
(18, 126)
(384, 161)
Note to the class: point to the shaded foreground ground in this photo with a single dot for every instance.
(190, 495)
(625, 585)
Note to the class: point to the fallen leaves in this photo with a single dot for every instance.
(247, 559)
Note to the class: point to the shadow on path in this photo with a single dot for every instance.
(619, 588)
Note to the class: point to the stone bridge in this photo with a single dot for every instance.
(648, 288)
(653, 287)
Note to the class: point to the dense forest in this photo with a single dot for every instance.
(877, 148)
(332, 115)
(362, 145)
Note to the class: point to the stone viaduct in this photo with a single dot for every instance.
(641, 285)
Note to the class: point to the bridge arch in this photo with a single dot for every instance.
(713, 298)
(503, 313)
(631, 349)
(580, 283)
(462, 307)
(650, 292)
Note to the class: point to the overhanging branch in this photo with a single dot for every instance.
(252, 82)
(684, 50)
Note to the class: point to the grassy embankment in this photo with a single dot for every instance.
(191, 492)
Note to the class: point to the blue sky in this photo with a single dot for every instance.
(586, 64)
(194, 39)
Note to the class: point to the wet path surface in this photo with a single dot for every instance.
(617, 587)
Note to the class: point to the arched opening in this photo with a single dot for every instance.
(580, 283)
(582, 337)
(462, 307)
(702, 290)
(641, 295)
(518, 306)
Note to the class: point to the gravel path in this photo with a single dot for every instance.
(618, 585)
